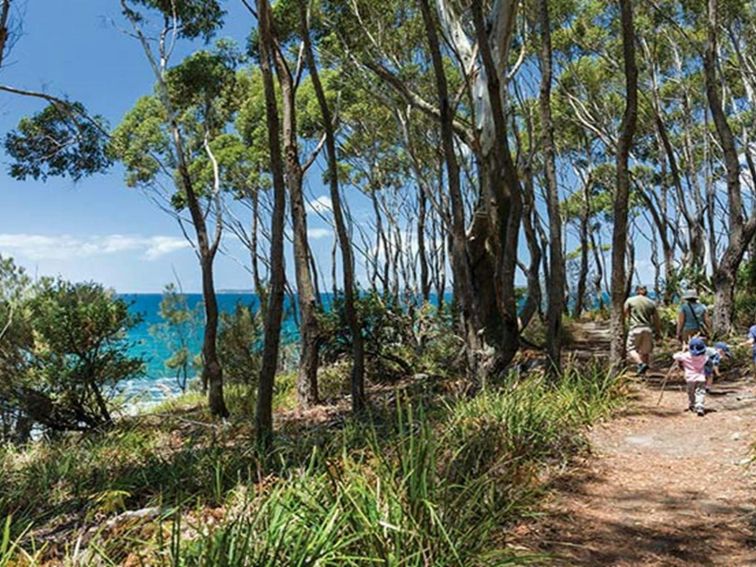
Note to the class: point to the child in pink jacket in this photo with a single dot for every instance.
(693, 363)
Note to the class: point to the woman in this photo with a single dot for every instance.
(692, 318)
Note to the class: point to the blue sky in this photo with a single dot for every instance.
(97, 229)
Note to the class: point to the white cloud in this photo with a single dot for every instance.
(65, 247)
(320, 205)
(316, 233)
(162, 245)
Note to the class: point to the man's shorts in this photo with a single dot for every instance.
(688, 334)
(640, 340)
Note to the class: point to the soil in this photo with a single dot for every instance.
(662, 486)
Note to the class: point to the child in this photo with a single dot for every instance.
(693, 362)
(713, 359)
(752, 341)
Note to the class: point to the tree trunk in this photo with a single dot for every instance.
(557, 278)
(463, 282)
(307, 376)
(4, 17)
(740, 233)
(211, 369)
(381, 244)
(273, 315)
(212, 375)
(422, 206)
(585, 245)
(500, 180)
(353, 320)
(260, 291)
(533, 301)
(621, 198)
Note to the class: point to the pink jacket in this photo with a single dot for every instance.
(692, 365)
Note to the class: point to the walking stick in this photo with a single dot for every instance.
(664, 382)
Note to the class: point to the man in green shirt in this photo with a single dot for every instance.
(642, 320)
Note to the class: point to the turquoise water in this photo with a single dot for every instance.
(158, 381)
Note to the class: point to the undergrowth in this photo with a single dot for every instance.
(425, 480)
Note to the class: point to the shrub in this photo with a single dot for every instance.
(386, 328)
(15, 339)
(76, 355)
(240, 345)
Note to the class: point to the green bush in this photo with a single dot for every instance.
(399, 341)
(16, 338)
(240, 345)
(387, 332)
(74, 354)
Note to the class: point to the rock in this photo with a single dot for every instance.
(143, 514)
(735, 436)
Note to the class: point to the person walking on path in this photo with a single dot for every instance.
(693, 363)
(751, 341)
(714, 357)
(643, 319)
(692, 318)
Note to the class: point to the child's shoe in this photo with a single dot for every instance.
(700, 412)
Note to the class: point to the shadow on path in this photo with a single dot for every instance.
(663, 486)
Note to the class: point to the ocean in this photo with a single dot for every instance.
(159, 382)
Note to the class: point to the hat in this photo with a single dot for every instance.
(697, 346)
(724, 347)
(690, 294)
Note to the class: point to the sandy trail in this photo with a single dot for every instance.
(662, 487)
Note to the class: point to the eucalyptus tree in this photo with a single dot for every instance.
(288, 58)
(168, 134)
(622, 195)
(556, 282)
(274, 312)
(357, 381)
(463, 276)
(62, 139)
(740, 230)
(494, 231)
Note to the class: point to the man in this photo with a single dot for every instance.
(643, 319)
(692, 318)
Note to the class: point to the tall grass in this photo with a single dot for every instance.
(418, 484)
(382, 506)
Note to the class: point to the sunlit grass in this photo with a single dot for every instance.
(421, 482)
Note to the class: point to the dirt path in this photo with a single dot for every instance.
(663, 486)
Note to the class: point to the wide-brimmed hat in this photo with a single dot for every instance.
(697, 346)
(690, 294)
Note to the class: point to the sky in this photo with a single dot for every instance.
(98, 229)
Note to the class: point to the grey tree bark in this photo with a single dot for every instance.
(358, 348)
(274, 313)
(556, 284)
(740, 232)
(621, 198)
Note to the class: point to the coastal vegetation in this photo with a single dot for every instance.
(495, 177)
